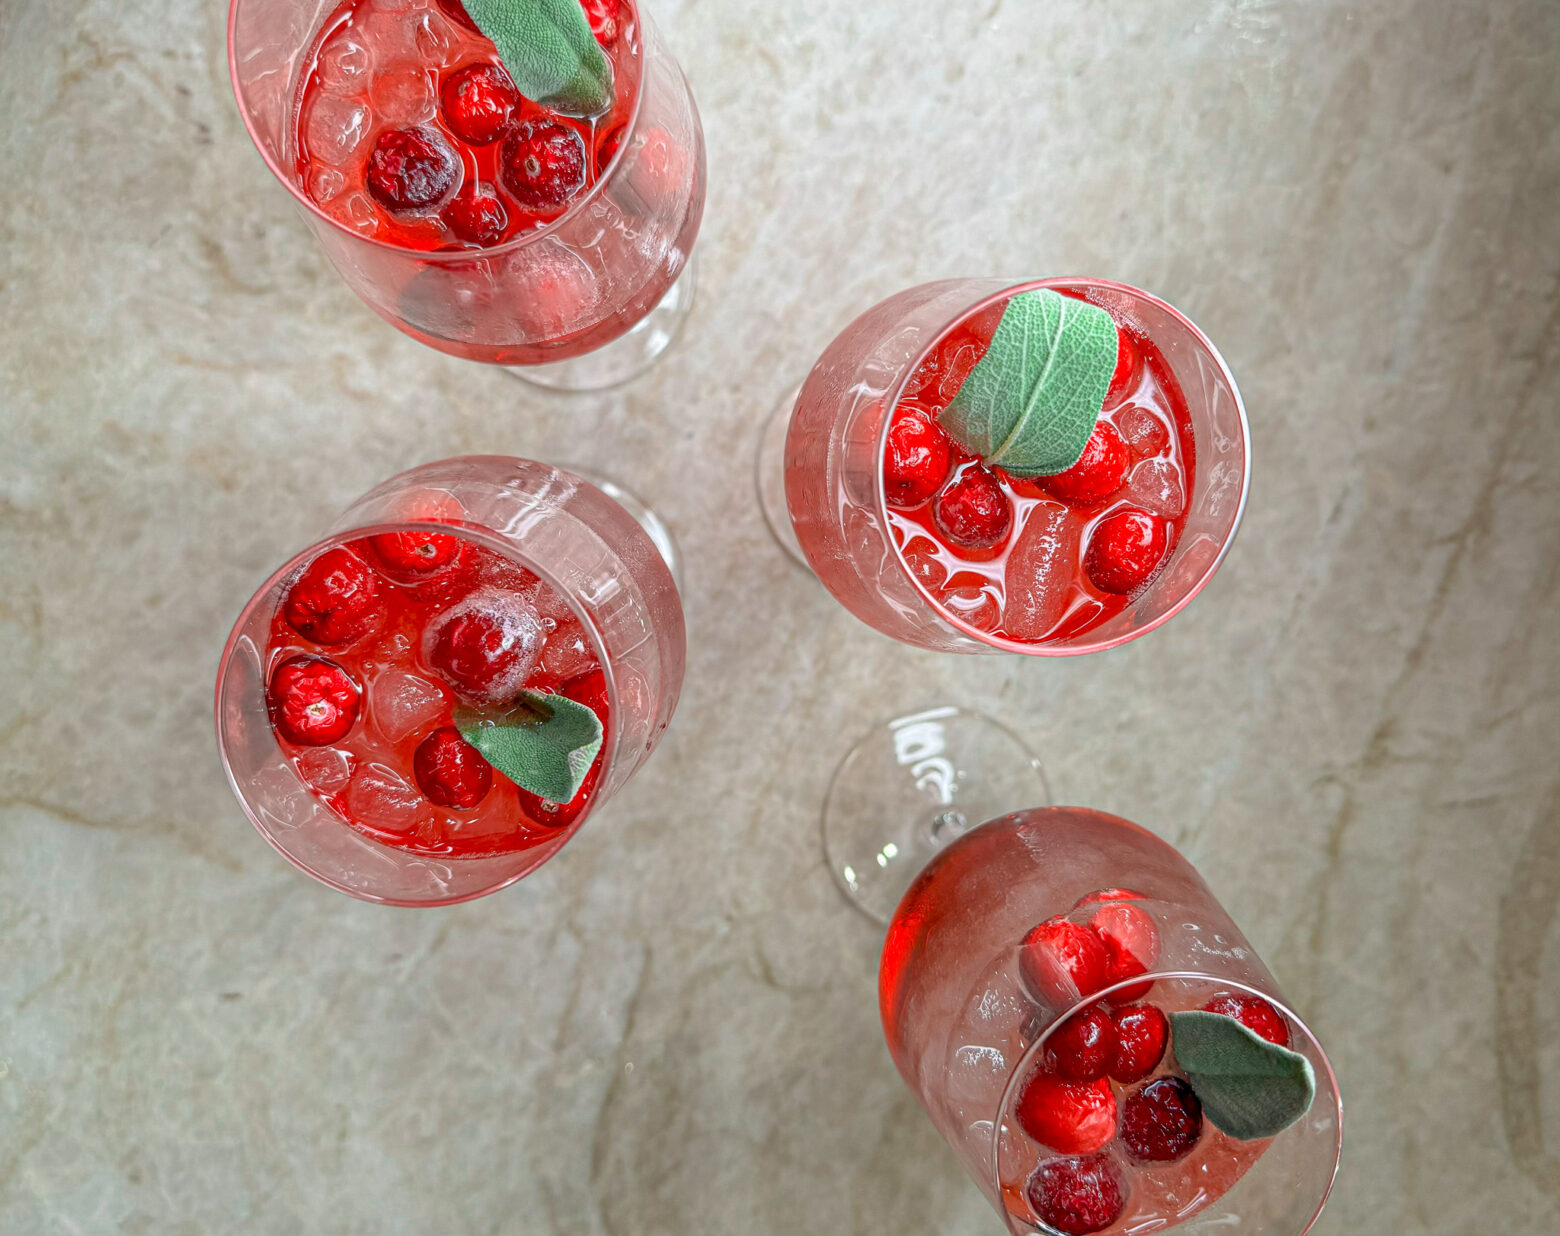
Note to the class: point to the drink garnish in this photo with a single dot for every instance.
(1031, 402)
(1250, 1088)
(543, 743)
(549, 51)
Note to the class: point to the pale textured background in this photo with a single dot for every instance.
(672, 1027)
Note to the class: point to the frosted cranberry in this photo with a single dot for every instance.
(603, 16)
(1061, 962)
(1099, 472)
(474, 651)
(590, 690)
(1141, 1034)
(973, 512)
(411, 170)
(1080, 1049)
(1253, 1012)
(1131, 939)
(450, 771)
(1077, 1196)
(1161, 1122)
(1126, 549)
(1072, 1117)
(415, 553)
(477, 102)
(916, 458)
(542, 165)
(477, 216)
(313, 702)
(335, 601)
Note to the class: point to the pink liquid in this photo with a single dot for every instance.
(378, 65)
(1046, 566)
(967, 1031)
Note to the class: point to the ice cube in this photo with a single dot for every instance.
(1143, 431)
(1041, 568)
(343, 64)
(568, 652)
(325, 770)
(335, 129)
(380, 797)
(325, 183)
(923, 559)
(403, 96)
(400, 703)
(1155, 485)
(977, 606)
(431, 36)
(355, 211)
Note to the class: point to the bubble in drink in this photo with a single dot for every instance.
(1040, 571)
(381, 798)
(400, 703)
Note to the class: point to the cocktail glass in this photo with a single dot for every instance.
(967, 1030)
(820, 484)
(585, 302)
(594, 555)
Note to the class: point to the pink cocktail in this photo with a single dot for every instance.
(479, 221)
(452, 601)
(1034, 985)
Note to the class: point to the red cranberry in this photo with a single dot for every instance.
(603, 17)
(450, 771)
(478, 101)
(1099, 472)
(1077, 1196)
(456, 11)
(916, 458)
(477, 216)
(1124, 378)
(1061, 962)
(591, 690)
(1072, 1117)
(335, 601)
(485, 647)
(415, 553)
(1131, 939)
(973, 512)
(542, 164)
(1080, 1049)
(411, 170)
(1253, 1012)
(1126, 549)
(1141, 1034)
(1161, 1122)
(313, 702)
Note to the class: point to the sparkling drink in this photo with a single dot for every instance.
(483, 223)
(463, 593)
(933, 547)
(1032, 987)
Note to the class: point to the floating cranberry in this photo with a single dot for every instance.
(411, 170)
(916, 458)
(1161, 1122)
(1253, 1012)
(478, 101)
(335, 601)
(313, 702)
(542, 165)
(974, 512)
(1126, 549)
(1077, 1196)
(1142, 1031)
(450, 771)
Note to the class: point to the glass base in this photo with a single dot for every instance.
(625, 358)
(769, 471)
(654, 526)
(909, 788)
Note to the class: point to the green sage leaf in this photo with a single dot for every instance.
(544, 743)
(1030, 405)
(1248, 1087)
(549, 50)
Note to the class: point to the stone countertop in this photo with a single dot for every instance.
(672, 1027)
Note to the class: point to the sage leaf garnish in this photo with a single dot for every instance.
(550, 52)
(543, 743)
(1248, 1087)
(1031, 402)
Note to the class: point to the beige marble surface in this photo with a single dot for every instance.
(672, 1028)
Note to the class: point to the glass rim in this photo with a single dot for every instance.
(1025, 1063)
(440, 256)
(896, 393)
(489, 540)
